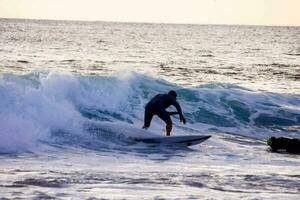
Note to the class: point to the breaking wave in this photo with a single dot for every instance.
(40, 108)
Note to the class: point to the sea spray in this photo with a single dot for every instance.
(35, 106)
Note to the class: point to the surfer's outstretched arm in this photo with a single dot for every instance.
(179, 111)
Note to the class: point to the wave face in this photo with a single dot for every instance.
(63, 109)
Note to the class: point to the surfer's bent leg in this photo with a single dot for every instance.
(169, 127)
(148, 116)
(164, 115)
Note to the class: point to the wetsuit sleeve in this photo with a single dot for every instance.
(177, 106)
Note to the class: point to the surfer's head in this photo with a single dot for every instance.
(172, 93)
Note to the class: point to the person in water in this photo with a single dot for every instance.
(157, 106)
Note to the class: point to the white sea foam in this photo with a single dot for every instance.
(79, 125)
(29, 114)
(35, 106)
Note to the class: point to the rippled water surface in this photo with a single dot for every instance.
(72, 97)
(260, 57)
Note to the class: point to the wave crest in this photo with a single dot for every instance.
(34, 106)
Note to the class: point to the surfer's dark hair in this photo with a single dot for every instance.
(172, 93)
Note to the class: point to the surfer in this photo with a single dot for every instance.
(157, 106)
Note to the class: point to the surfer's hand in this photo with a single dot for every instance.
(182, 119)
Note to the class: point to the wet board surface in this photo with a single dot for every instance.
(175, 140)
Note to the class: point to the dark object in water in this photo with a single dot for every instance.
(289, 145)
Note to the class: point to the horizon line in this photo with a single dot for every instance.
(137, 22)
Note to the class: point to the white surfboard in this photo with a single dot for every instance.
(188, 140)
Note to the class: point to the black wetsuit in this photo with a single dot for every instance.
(157, 106)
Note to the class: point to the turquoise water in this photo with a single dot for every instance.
(72, 96)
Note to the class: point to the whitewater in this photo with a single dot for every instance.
(72, 98)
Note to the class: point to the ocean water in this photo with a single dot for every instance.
(72, 97)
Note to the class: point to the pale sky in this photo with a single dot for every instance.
(249, 12)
